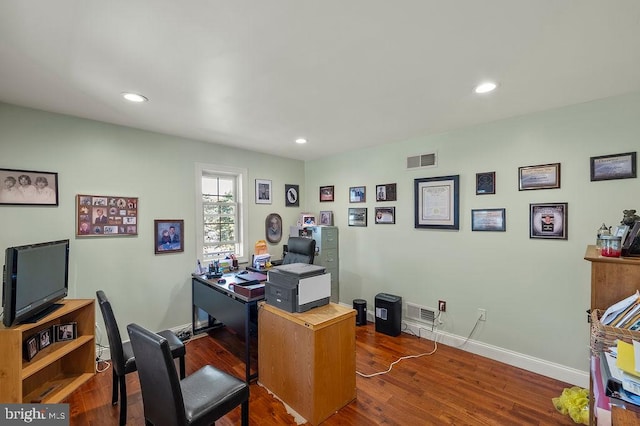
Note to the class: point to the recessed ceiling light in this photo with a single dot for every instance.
(134, 97)
(301, 141)
(485, 87)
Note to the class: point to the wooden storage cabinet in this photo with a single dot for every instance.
(57, 370)
(327, 255)
(612, 279)
(308, 359)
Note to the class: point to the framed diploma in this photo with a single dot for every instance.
(545, 176)
(488, 220)
(437, 202)
(485, 183)
(617, 166)
(548, 221)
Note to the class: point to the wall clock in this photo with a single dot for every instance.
(291, 196)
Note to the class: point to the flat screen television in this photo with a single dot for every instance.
(36, 276)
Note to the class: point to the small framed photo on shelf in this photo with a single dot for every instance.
(485, 183)
(326, 193)
(30, 349)
(385, 215)
(44, 338)
(617, 166)
(488, 220)
(548, 221)
(545, 176)
(326, 217)
(358, 217)
(307, 219)
(64, 332)
(357, 194)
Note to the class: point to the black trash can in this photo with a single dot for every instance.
(360, 305)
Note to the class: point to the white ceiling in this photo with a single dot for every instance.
(346, 74)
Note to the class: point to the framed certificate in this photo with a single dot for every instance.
(437, 202)
(546, 176)
(617, 166)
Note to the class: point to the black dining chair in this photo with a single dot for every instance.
(199, 399)
(122, 357)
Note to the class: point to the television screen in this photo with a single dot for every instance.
(36, 276)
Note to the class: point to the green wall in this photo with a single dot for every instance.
(535, 291)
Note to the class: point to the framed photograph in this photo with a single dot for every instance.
(106, 216)
(263, 191)
(326, 193)
(488, 220)
(617, 166)
(622, 231)
(307, 219)
(357, 217)
(485, 183)
(28, 187)
(548, 220)
(437, 202)
(326, 217)
(44, 338)
(169, 235)
(30, 348)
(385, 215)
(273, 228)
(357, 194)
(291, 196)
(544, 176)
(386, 192)
(64, 332)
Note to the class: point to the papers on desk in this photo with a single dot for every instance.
(621, 310)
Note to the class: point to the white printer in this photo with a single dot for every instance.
(297, 287)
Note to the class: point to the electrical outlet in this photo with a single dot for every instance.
(482, 313)
(442, 306)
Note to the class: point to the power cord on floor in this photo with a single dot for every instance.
(435, 348)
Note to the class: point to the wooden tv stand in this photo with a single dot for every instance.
(57, 370)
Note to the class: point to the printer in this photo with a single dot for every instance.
(297, 287)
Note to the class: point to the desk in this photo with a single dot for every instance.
(308, 359)
(225, 308)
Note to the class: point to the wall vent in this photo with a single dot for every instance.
(422, 160)
(421, 313)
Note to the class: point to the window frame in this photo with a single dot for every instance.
(241, 176)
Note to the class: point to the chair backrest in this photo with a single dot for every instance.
(159, 382)
(113, 333)
(300, 250)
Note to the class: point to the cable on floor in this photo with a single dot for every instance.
(435, 348)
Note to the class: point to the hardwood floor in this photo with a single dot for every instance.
(448, 387)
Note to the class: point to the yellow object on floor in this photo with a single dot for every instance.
(574, 402)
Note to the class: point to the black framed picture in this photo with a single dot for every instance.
(291, 195)
(617, 166)
(30, 348)
(357, 217)
(44, 338)
(64, 332)
(548, 221)
(386, 192)
(169, 235)
(28, 187)
(544, 176)
(485, 183)
(357, 194)
(326, 193)
(437, 202)
(385, 215)
(488, 220)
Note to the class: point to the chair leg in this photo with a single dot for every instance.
(114, 392)
(245, 413)
(182, 368)
(123, 401)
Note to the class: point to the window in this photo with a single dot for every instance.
(220, 212)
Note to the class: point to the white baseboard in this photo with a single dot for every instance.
(516, 359)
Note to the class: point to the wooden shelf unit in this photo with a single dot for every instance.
(57, 370)
(612, 279)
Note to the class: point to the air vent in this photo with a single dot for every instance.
(421, 313)
(423, 160)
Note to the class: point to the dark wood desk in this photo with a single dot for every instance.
(225, 307)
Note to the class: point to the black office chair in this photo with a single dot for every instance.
(300, 250)
(199, 399)
(122, 358)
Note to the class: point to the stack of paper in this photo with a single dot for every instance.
(624, 314)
